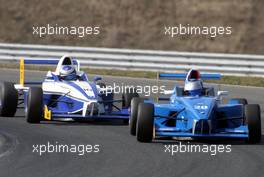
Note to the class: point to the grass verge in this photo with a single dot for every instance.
(232, 80)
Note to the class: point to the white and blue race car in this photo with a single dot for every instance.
(64, 94)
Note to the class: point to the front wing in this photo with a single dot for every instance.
(123, 114)
(240, 132)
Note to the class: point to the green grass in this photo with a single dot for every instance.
(232, 80)
(246, 81)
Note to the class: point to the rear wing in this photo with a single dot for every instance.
(173, 76)
(24, 62)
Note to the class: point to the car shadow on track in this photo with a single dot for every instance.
(86, 123)
(80, 122)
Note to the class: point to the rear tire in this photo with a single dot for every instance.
(253, 120)
(133, 115)
(101, 85)
(128, 96)
(145, 122)
(34, 111)
(107, 96)
(8, 99)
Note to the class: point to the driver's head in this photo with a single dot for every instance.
(193, 84)
(193, 87)
(68, 73)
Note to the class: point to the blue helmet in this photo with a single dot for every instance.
(68, 73)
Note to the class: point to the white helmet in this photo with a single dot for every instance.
(193, 83)
(194, 87)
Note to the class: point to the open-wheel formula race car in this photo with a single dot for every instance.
(194, 110)
(64, 94)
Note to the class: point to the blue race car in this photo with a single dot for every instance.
(194, 111)
(65, 94)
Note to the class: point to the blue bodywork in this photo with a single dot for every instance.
(198, 116)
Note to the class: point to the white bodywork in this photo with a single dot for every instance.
(79, 90)
(63, 88)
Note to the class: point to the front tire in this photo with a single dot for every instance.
(133, 114)
(253, 120)
(8, 99)
(145, 122)
(34, 111)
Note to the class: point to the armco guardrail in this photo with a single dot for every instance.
(147, 60)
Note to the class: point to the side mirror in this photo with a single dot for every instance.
(168, 92)
(97, 78)
(221, 93)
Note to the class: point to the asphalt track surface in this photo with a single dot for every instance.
(120, 154)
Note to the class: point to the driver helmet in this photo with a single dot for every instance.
(68, 73)
(193, 84)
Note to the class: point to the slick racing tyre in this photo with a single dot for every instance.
(145, 122)
(106, 96)
(133, 114)
(128, 96)
(101, 85)
(34, 110)
(8, 99)
(253, 120)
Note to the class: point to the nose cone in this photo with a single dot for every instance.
(201, 107)
(82, 90)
